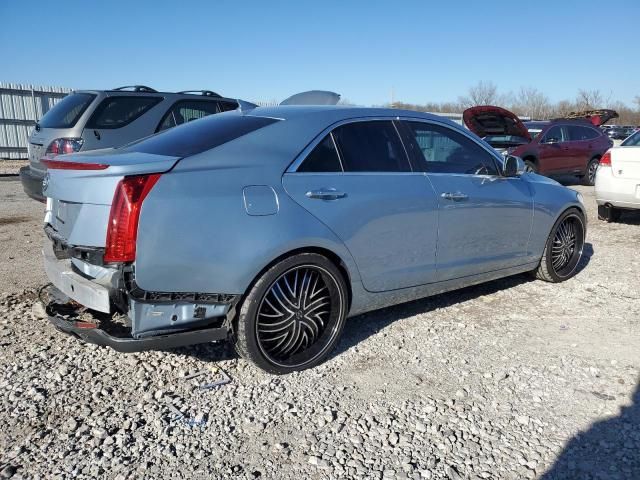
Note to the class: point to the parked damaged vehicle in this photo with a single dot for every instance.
(270, 227)
(566, 146)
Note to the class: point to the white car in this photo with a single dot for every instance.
(618, 179)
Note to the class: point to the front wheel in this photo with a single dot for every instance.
(563, 249)
(293, 315)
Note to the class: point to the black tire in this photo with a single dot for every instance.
(589, 177)
(530, 166)
(279, 328)
(559, 260)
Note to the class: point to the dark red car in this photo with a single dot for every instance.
(554, 147)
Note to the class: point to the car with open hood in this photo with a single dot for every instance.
(269, 227)
(572, 145)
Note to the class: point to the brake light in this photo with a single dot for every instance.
(64, 165)
(61, 146)
(122, 230)
(606, 159)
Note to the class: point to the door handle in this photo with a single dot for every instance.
(325, 194)
(456, 197)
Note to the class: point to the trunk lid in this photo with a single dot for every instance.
(488, 121)
(79, 201)
(596, 117)
(625, 162)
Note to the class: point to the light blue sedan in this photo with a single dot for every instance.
(270, 227)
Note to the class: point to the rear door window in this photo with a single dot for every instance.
(323, 158)
(372, 146)
(118, 111)
(67, 111)
(442, 150)
(187, 110)
(578, 133)
(197, 137)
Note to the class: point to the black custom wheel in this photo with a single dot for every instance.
(564, 248)
(294, 314)
(590, 174)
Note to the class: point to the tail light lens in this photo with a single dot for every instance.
(606, 159)
(122, 231)
(61, 146)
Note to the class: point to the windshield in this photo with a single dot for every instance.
(534, 132)
(67, 111)
(632, 141)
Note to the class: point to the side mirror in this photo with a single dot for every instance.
(513, 166)
(551, 141)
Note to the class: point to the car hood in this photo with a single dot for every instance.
(488, 120)
(596, 117)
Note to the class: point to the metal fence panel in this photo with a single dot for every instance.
(21, 106)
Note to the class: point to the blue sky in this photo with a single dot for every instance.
(263, 50)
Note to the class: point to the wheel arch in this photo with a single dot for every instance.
(332, 256)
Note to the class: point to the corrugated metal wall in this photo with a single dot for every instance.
(21, 106)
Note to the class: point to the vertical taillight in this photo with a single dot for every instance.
(122, 231)
(606, 159)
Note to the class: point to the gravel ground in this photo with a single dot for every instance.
(511, 379)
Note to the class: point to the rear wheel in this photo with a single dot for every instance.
(563, 249)
(590, 175)
(530, 166)
(293, 315)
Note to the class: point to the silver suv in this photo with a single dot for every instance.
(92, 119)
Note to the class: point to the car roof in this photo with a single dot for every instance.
(563, 121)
(339, 112)
(202, 94)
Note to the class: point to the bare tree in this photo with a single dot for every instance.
(533, 103)
(482, 93)
(589, 99)
(637, 101)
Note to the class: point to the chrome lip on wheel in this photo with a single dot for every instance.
(567, 246)
(299, 316)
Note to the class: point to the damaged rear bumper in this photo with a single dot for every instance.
(86, 300)
(63, 313)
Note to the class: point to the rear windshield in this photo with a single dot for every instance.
(67, 111)
(118, 111)
(200, 135)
